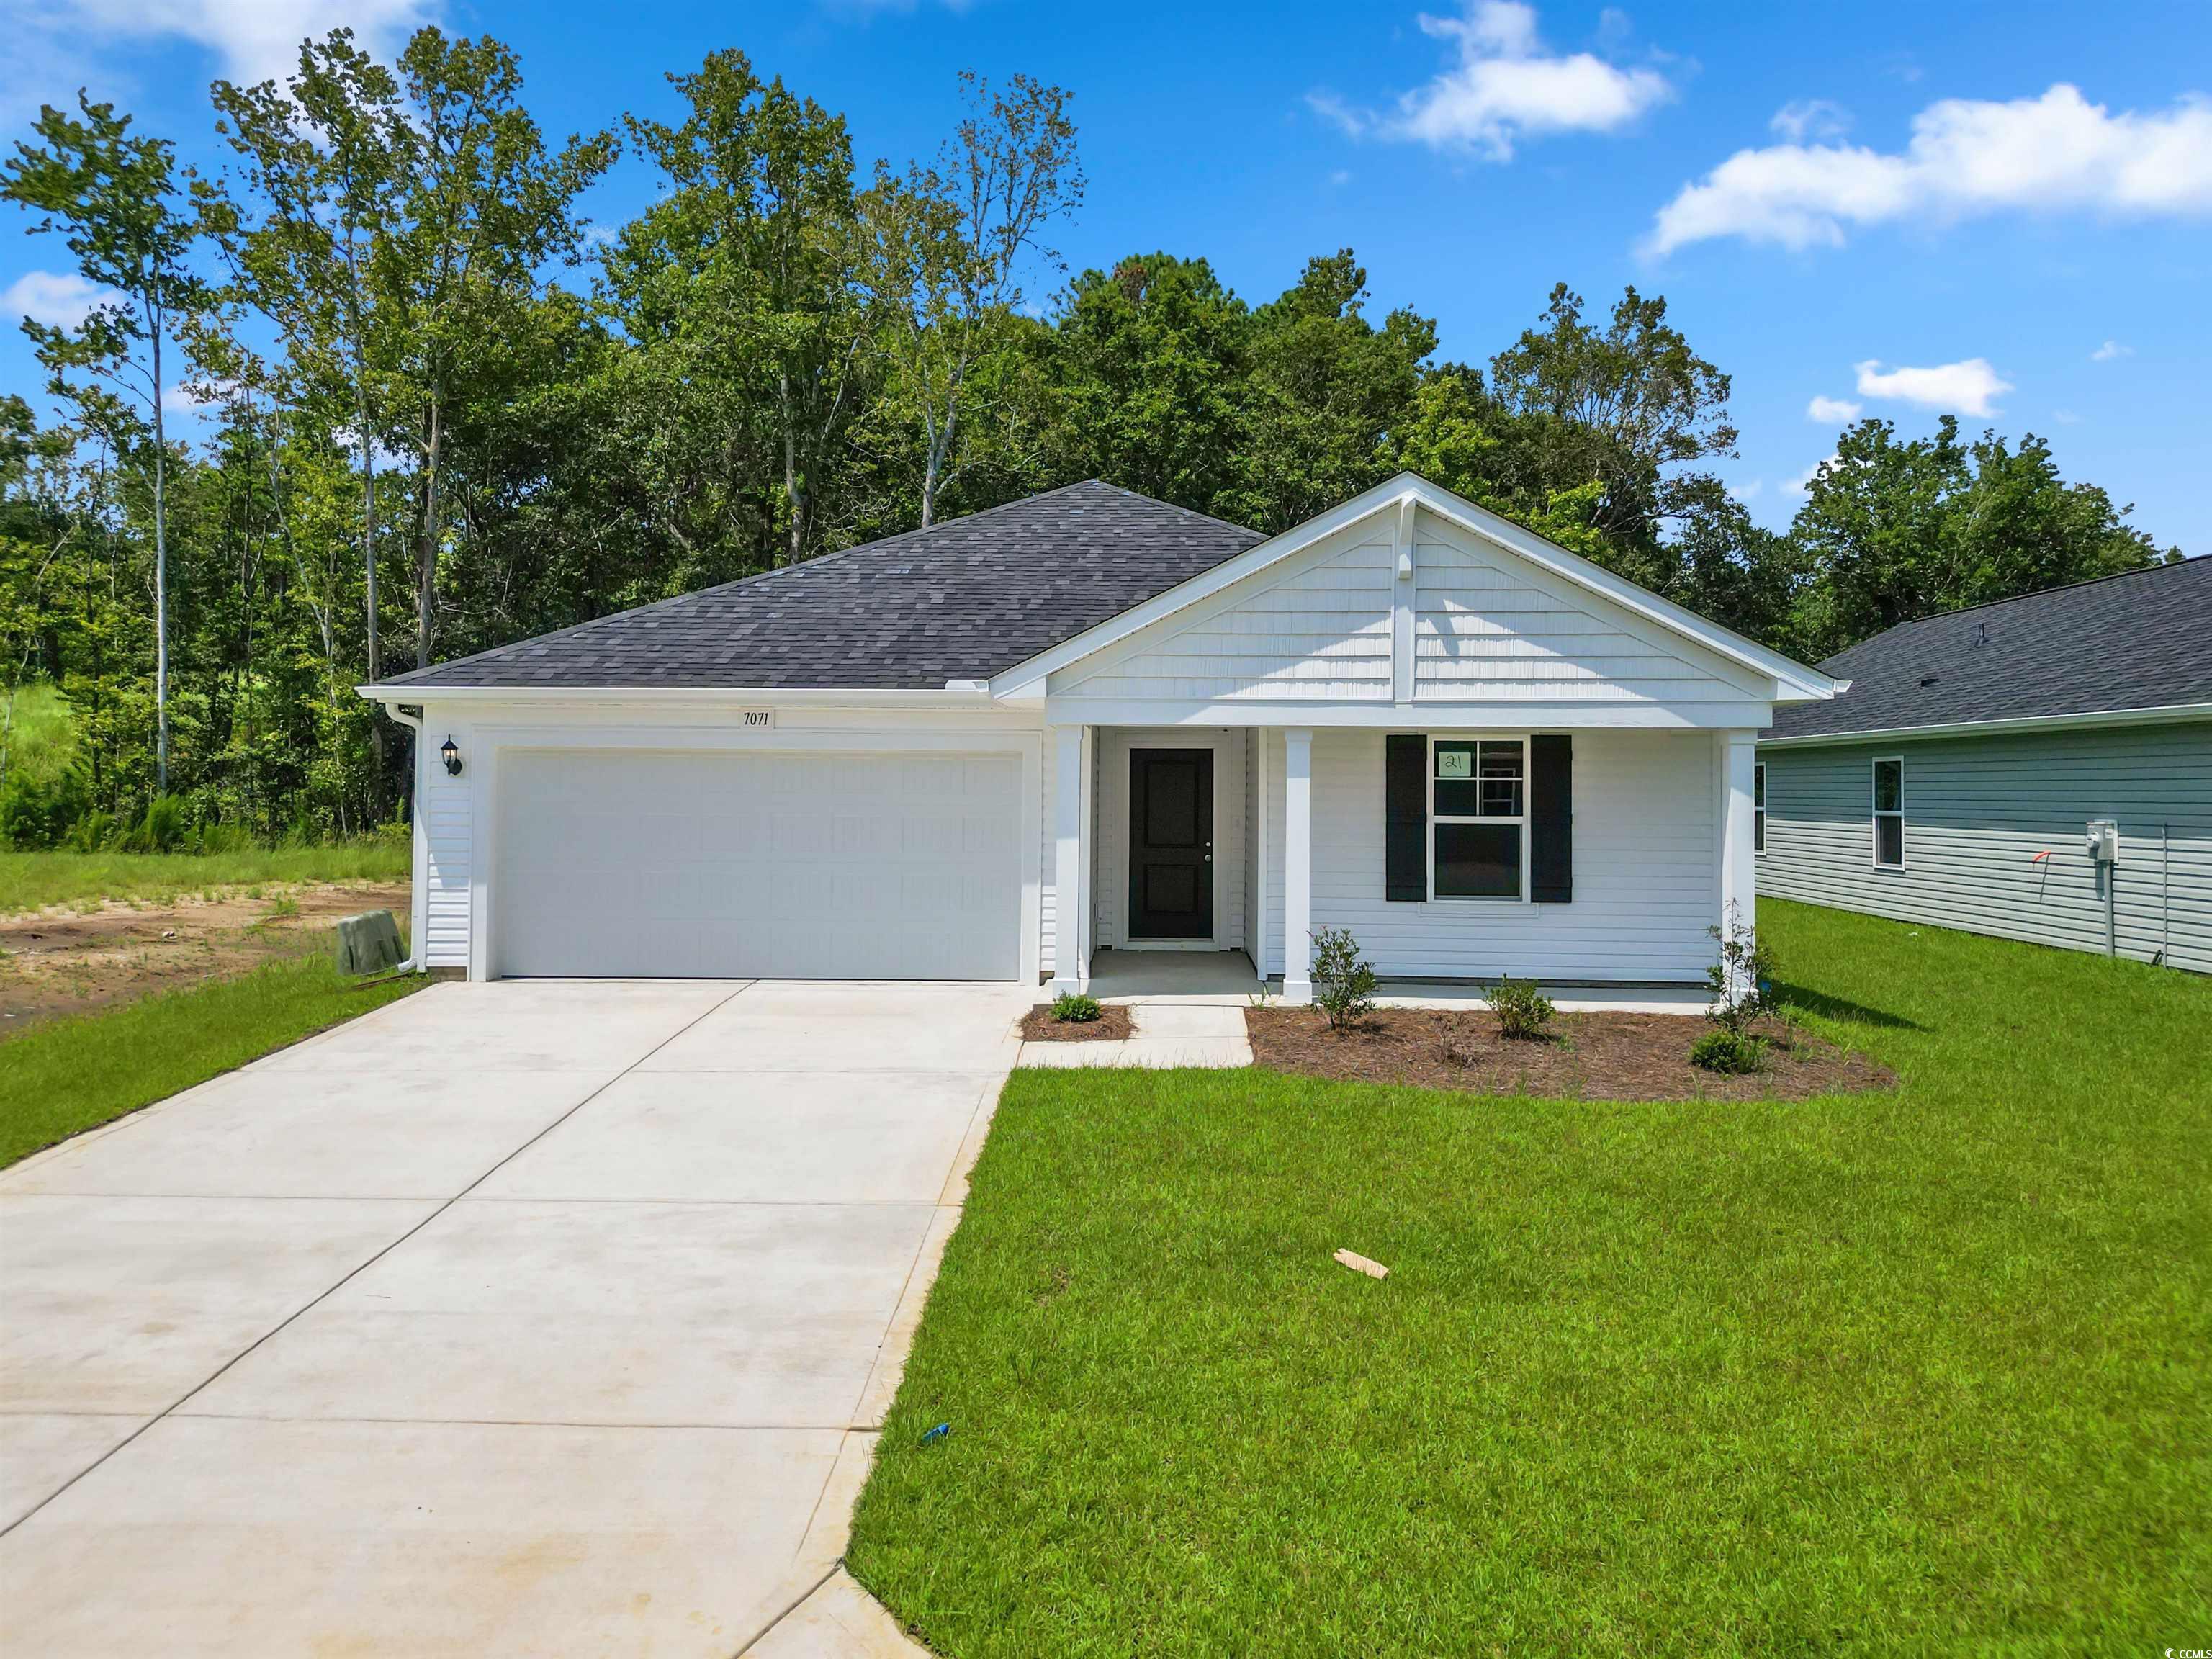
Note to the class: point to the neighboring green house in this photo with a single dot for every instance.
(1963, 777)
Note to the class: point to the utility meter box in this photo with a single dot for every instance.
(2104, 840)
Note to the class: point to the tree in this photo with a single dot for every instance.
(326, 163)
(948, 245)
(1894, 531)
(750, 267)
(114, 199)
(1327, 390)
(484, 208)
(1150, 360)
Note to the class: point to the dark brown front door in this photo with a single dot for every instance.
(1171, 843)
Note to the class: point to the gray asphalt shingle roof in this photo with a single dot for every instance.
(961, 600)
(2142, 640)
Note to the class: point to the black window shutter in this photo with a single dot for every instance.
(1552, 820)
(1406, 818)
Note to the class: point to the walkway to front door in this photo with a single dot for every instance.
(1171, 843)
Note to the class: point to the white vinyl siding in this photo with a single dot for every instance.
(1979, 811)
(448, 847)
(1318, 629)
(1645, 876)
(1488, 625)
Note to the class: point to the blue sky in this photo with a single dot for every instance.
(2002, 209)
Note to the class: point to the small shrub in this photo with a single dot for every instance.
(1740, 981)
(1521, 1008)
(1344, 986)
(1073, 1007)
(1734, 1053)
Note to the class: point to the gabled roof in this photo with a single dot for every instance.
(2139, 640)
(960, 600)
(1792, 680)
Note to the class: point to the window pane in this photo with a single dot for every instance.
(1759, 831)
(1889, 786)
(1759, 788)
(1889, 839)
(1500, 765)
(1457, 795)
(1477, 861)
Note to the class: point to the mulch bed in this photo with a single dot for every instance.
(1602, 1056)
(1111, 1026)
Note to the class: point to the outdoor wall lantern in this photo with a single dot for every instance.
(452, 756)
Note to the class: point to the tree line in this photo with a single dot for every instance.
(439, 410)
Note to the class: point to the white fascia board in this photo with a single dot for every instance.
(1795, 681)
(669, 697)
(2167, 714)
(1496, 715)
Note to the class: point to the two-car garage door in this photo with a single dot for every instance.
(692, 864)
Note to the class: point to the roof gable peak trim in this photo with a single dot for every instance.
(1026, 678)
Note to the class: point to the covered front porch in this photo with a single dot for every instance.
(1197, 862)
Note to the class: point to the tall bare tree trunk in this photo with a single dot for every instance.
(161, 580)
(426, 555)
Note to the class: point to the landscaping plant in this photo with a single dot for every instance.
(1075, 1008)
(1736, 1054)
(1740, 983)
(1521, 1008)
(1343, 984)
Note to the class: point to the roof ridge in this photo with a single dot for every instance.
(1176, 507)
(2151, 568)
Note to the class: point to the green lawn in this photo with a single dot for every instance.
(1924, 1371)
(28, 880)
(58, 1079)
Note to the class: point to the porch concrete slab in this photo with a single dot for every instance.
(125, 1304)
(511, 1025)
(283, 1133)
(763, 1137)
(603, 1312)
(852, 1028)
(1150, 978)
(41, 1452)
(220, 1538)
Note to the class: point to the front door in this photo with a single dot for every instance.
(1171, 843)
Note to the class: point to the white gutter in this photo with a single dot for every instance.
(2168, 715)
(961, 693)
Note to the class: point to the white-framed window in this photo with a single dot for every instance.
(1477, 818)
(1758, 806)
(1888, 788)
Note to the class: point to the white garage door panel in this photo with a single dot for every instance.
(624, 863)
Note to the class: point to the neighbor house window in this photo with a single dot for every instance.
(1759, 807)
(1889, 813)
(1478, 816)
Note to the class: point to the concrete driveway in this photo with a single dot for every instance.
(537, 1317)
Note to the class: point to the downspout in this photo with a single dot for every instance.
(416, 921)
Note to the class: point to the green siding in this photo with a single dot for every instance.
(1978, 810)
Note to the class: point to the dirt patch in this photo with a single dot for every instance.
(1112, 1025)
(59, 962)
(1599, 1056)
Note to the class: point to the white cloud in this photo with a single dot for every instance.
(1967, 157)
(2110, 349)
(2065, 417)
(254, 39)
(1504, 86)
(60, 299)
(1964, 388)
(1802, 485)
(1748, 491)
(1816, 119)
(1832, 409)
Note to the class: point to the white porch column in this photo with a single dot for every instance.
(1297, 865)
(1070, 813)
(1739, 753)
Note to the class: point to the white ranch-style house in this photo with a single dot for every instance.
(1088, 721)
